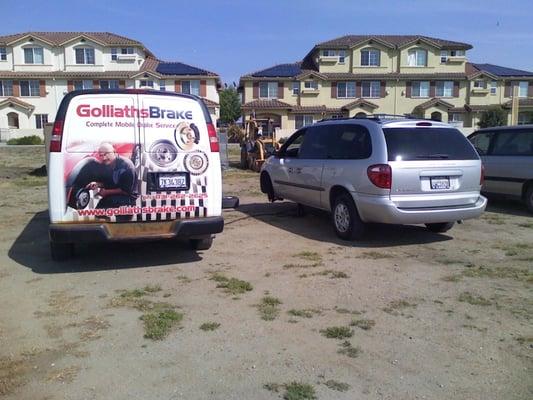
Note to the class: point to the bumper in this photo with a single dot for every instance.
(135, 231)
(383, 210)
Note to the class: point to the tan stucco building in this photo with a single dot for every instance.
(378, 74)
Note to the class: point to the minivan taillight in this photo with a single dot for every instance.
(57, 136)
(482, 176)
(380, 175)
(213, 139)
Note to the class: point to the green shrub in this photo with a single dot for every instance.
(235, 134)
(25, 140)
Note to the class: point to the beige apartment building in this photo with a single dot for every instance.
(378, 74)
(38, 68)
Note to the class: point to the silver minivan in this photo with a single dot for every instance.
(507, 154)
(384, 170)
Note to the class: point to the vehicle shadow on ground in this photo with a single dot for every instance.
(31, 249)
(316, 225)
(502, 205)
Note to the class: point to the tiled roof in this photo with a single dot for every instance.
(313, 109)
(58, 38)
(266, 104)
(63, 74)
(501, 71)
(277, 71)
(394, 75)
(478, 108)
(358, 103)
(521, 102)
(209, 103)
(395, 41)
(178, 68)
(433, 102)
(19, 102)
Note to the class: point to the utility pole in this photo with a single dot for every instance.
(514, 106)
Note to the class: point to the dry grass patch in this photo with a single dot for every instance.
(309, 256)
(306, 313)
(65, 375)
(338, 386)
(375, 255)
(365, 324)
(337, 332)
(395, 307)
(268, 308)
(209, 326)
(467, 297)
(349, 350)
(158, 325)
(232, 286)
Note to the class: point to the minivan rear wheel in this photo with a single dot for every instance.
(529, 198)
(267, 187)
(201, 244)
(440, 227)
(346, 220)
(61, 251)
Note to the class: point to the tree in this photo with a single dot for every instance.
(230, 105)
(494, 116)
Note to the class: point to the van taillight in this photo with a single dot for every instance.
(380, 175)
(482, 176)
(213, 139)
(57, 135)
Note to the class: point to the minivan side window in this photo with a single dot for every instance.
(481, 142)
(513, 143)
(348, 142)
(315, 143)
(291, 148)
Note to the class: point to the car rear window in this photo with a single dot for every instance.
(427, 144)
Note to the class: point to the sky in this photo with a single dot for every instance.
(236, 37)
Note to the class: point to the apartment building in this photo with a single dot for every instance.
(38, 68)
(368, 74)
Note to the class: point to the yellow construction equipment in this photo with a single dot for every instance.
(256, 146)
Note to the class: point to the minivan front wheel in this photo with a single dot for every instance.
(346, 220)
(440, 227)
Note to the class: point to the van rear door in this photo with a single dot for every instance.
(432, 167)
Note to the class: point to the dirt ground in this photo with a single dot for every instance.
(404, 314)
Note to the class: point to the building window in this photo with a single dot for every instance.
(146, 84)
(110, 84)
(296, 88)
(493, 87)
(329, 53)
(457, 53)
(522, 88)
(370, 89)
(443, 56)
(268, 90)
(420, 89)
(29, 88)
(313, 85)
(190, 87)
(303, 120)
(342, 56)
(417, 58)
(115, 51)
(3, 54)
(40, 120)
(346, 89)
(6, 88)
(479, 84)
(444, 89)
(82, 85)
(162, 86)
(370, 57)
(85, 55)
(33, 55)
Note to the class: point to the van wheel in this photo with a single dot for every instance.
(266, 186)
(346, 220)
(529, 198)
(201, 244)
(440, 227)
(61, 251)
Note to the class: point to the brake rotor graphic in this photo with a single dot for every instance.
(196, 163)
(186, 136)
(163, 153)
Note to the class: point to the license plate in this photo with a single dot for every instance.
(440, 182)
(173, 182)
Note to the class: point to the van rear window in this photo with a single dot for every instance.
(427, 144)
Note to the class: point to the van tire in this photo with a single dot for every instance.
(346, 221)
(61, 251)
(528, 198)
(201, 244)
(440, 227)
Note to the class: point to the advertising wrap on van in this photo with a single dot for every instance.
(129, 162)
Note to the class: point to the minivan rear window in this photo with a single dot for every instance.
(427, 144)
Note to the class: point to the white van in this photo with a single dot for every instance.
(133, 165)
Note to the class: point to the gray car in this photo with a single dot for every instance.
(507, 154)
(394, 171)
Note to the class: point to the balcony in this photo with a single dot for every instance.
(456, 60)
(480, 91)
(309, 92)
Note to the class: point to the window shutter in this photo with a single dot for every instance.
(96, 84)
(256, 90)
(358, 89)
(177, 86)
(456, 89)
(529, 90)
(122, 84)
(432, 89)
(203, 88)
(280, 90)
(42, 88)
(70, 86)
(16, 89)
(383, 88)
(507, 89)
(408, 89)
(333, 90)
